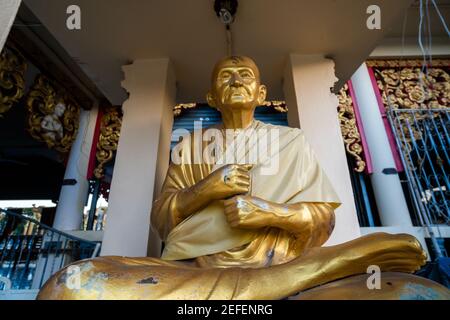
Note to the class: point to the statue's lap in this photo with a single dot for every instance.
(110, 278)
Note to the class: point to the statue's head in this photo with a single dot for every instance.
(236, 84)
(60, 108)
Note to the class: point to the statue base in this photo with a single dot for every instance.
(393, 286)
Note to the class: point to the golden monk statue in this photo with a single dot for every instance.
(245, 229)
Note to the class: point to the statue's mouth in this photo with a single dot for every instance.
(237, 93)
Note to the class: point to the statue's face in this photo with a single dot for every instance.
(60, 109)
(236, 84)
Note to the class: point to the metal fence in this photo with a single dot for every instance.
(30, 252)
(422, 136)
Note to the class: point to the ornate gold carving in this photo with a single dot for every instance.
(52, 115)
(415, 63)
(279, 106)
(349, 130)
(410, 88)
(108, 139)
(12, 79)
(180, 107)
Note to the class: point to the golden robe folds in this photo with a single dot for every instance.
(207, 236)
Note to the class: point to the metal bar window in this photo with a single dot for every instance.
(424, 143)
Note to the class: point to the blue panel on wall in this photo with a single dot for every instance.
(210, 116)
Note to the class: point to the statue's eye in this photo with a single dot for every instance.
(246, 74)
(225, 75)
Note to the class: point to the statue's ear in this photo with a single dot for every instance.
(262, 94)
(210, 99)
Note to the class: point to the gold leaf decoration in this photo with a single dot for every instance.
(404, 85)
(408, 63)
(12, 79)
(410, 88)
(182, 106)
(109, 138)
(53, 116)
(279, 106)
(349, 130)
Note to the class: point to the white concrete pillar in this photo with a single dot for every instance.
(387, 188)
(8, 12)
(142, 158)
(72, 198)
(313, 108)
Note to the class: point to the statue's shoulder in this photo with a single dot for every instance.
(283, 130)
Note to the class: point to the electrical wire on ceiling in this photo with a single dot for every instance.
(424, 11)
(226, 11)
(441, 17)
(420, 42)
(229, 35)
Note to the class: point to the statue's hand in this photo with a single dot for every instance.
(247, 212)
(228, 181)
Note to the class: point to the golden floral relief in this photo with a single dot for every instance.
(405, 85)
(412, 97)
(410, 88)
(52, 115)
(180, 107)
(278, 105)
(12, 79)
(108, 139)
(349, 130)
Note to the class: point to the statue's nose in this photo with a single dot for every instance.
(236, 80)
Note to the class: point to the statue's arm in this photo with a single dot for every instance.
(179, 199)
(309, 220)
(189, 200)
(313, 221)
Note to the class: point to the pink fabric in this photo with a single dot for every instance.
(390, 134)
(360, 126)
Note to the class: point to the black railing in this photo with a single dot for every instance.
(422, 136)
(30, 252)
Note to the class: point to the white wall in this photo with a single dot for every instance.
(312, 107)
(142, 158)
(8, 11)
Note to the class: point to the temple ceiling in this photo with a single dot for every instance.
(114, 33)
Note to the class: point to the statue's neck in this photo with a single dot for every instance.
(237, 119)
